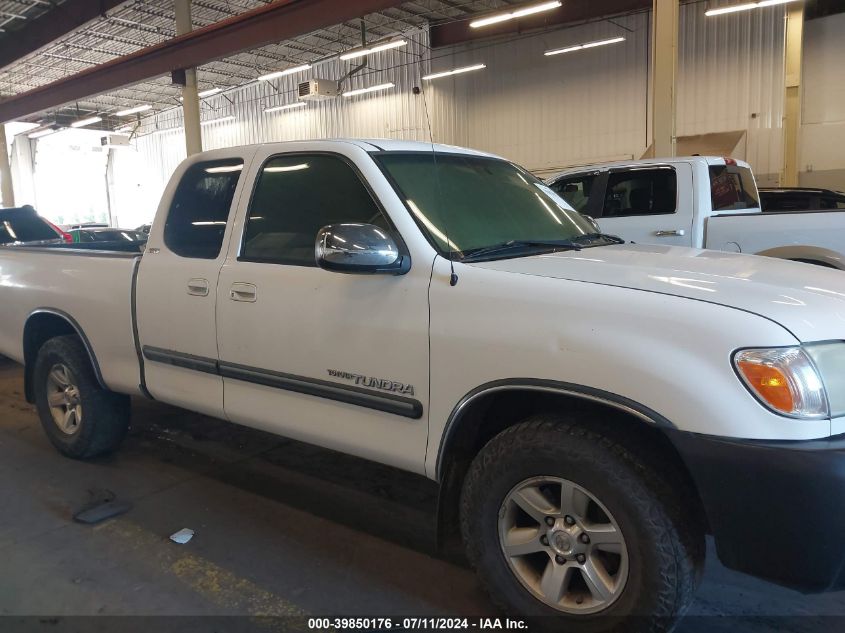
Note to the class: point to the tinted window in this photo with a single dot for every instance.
(641, 192)
(295, 197)
(785, 202)
(833, 202)
(197, 219)
(575, 190)
(464, 202)
(24, 227)
(732, 187)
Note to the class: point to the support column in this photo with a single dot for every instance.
(190, 100)
(664, 61)
(7, 193)
(792, 97)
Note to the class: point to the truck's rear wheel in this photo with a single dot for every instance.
(561, 521)
(80, 417)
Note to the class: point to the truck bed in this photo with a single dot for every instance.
(757, 233)
(92, 285)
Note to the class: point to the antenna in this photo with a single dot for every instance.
(453, 277)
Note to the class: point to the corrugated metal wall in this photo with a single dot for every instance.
(542, 112)
(730, 77)
(822, 160)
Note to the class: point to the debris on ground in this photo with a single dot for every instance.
(182, 536)
(102, 505)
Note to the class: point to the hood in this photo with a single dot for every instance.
(807, 300)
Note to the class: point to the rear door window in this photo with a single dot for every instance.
(732, 187)
(632, 192)
(200, 209)
(576, 190)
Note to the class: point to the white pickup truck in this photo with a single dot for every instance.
(699, 201)
(589, 408)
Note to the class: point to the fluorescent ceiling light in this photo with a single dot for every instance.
(222, 118)
(747, 6)
(731, 9)
(578, 47)
(287, 106)
(135, 110)
(88, 121)
(456, 71)
(511, 15)
(41, 133)
(273, 170)
(360, 91)
(209, 92)
(361, 52)
(286, 71)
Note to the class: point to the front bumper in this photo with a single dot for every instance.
(776, 509)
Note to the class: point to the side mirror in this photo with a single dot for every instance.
(592, 222)
(359, 248)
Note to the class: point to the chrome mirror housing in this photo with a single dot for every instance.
(592, 221)
(359, 248)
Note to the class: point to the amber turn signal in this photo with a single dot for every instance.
(785, 380)
(770, 384)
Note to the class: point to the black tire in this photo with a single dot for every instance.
(814, 262)
(105, 418)
(665, 548)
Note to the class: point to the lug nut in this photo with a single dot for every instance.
(585, 538)
(569, 520)
(550, 521)
(581, 558)
(544, 540)
(560, 560)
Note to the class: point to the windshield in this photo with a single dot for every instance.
(474, 202)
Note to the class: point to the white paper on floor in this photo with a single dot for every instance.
(182, 536)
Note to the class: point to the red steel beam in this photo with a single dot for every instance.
(452, 33)
(279, 20)
(50, 26)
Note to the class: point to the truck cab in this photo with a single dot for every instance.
(660, 201)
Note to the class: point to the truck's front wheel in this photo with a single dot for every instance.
(80, 418)
(561, 521)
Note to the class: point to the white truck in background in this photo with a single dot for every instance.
(589, 408)
(699, 201)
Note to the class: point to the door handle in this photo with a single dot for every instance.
(243, 292)
(672, 233)
(198, 287)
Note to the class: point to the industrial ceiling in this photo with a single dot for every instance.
(138, 24)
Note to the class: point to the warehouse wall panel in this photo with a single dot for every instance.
(543, 112)
(822, 161)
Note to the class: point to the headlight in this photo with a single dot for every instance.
(785, 379)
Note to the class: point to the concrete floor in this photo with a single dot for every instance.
(282, 528)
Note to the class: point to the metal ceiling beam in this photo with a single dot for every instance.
(458, 32)
(271, 23)
(50, 26)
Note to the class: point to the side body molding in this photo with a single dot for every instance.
(548, 386)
